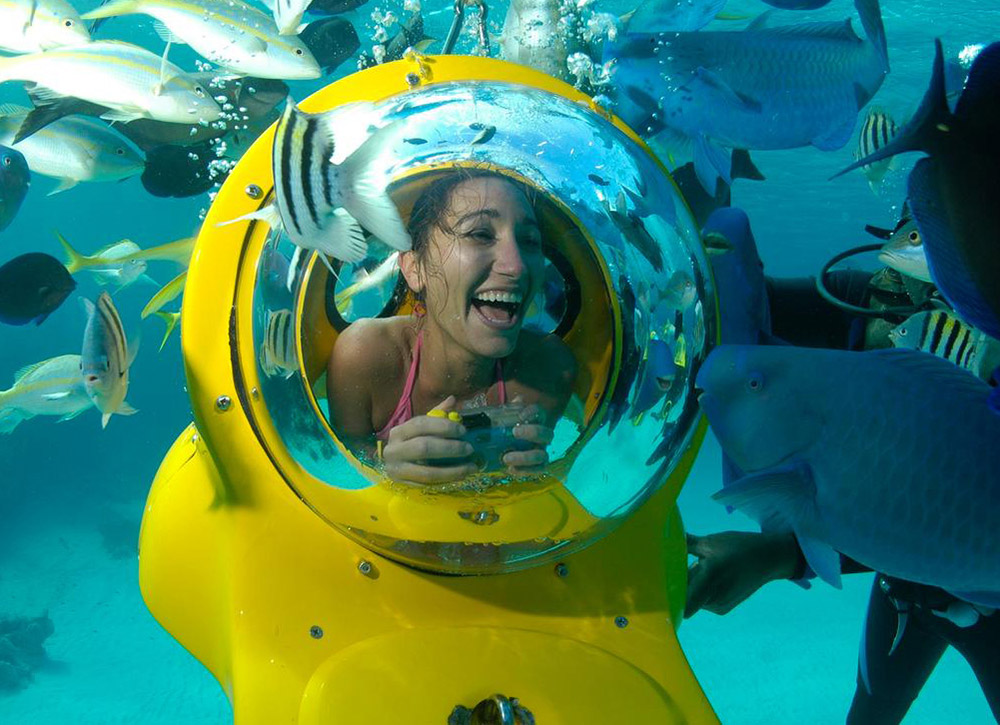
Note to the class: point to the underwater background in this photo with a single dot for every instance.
(71, 494)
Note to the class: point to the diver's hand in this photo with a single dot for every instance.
(732, 565)
(427, 449)
(532, 429)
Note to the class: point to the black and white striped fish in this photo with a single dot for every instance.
(939, 333)
(277, 353)
(105, 359)
(328, 183)
(877, 130)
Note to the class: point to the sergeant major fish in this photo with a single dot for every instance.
(106, 359)
(837, 448)
(50, 387)
(31, 26)
(760, 88)
(877, 130)
(277, 352)
(229, 33)
(328, 184)
(130, 81)
(941, 333)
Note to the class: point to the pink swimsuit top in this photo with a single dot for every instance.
(404, 408)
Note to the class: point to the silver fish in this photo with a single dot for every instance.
(31, 26)
(113, 264)
(50, 387)
(229, 33)
(73, 149)
(106, 359)
(904, 252)
(132, 82)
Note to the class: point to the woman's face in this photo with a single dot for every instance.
(480, 275)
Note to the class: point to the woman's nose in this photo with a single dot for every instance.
(509, 259)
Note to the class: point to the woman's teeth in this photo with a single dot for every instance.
(513, 298)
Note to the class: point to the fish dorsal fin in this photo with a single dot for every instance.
(27, 370)
(166, 34)
(842, 30)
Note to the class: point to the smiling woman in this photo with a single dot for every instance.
(415, 388)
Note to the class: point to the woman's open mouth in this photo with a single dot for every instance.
(498, 309)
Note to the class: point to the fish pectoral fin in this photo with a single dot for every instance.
(267, 214)
(56, 396)
(126, 409)
(367, 201)
(166, 34)
(252, 44)
(902, 616)
(122, 115)
(821, 558)
(343, 238)
(711, 163)
(839, 134)
(742, 101)
(782, 496)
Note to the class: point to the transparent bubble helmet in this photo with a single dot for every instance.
(631, 295)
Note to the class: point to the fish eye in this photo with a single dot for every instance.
(200, 91)
(7, 161)
(914, 238)
(120, 151)
(755, 382)
(298, 51)
(68, 23)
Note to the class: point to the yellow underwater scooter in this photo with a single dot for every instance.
(318, 591)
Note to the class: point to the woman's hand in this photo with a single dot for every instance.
(533, 430)
(733, 565)
(428, 449)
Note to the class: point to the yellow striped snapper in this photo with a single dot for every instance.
(288, 14)
(178, 251)
(229, 33)
(328, 184)
(50, 387)
(169, 292)
(113, 264)
(72, 149)
(277, 352)
(31, 26)
(904, 252)
(106, 359)
(942, 334)
(877, 130)
(130, 81)
(171, 319)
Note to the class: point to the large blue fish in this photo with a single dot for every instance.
(888, 456)
(952, 193)
(744, 314)
(14, 180)
(759, 88)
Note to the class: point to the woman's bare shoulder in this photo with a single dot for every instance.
(376, 347)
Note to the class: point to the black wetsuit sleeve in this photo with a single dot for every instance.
(801, 316)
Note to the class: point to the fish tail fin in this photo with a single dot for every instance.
(928, 123)
(871, 20)
(74, 260)
(112, 9)
(171, 319)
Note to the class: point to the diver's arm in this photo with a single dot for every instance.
(732, 565)
(349, 389)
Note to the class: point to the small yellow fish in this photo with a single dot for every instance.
(171, 319)
(170, 291)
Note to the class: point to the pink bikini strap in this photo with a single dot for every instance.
(404, 408)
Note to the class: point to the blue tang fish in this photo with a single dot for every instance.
(14, 180)
(745, 318)
(759, 88)
(887, 456)
(952, 192)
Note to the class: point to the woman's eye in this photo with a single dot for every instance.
(531, 242)
(483, 235)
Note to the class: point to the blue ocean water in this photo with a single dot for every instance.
(71, 495)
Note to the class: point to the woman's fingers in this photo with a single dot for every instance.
(426, 448)
(415, 473)
(534, 433)
(426, 425)
(520, 460)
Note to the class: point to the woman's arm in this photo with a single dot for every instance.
(349, 380)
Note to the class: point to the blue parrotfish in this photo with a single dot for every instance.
(744, 314)
(797, 4)
(657, 16)
(952, 192)
(759, 88)
(889, 457)
(14, 180)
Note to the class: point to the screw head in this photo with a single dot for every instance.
(621, 622)
(365, 567)
(561, 569)
(316, 632)
(254, 393)
(253, 191)
(223, 403)
(412, 79)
